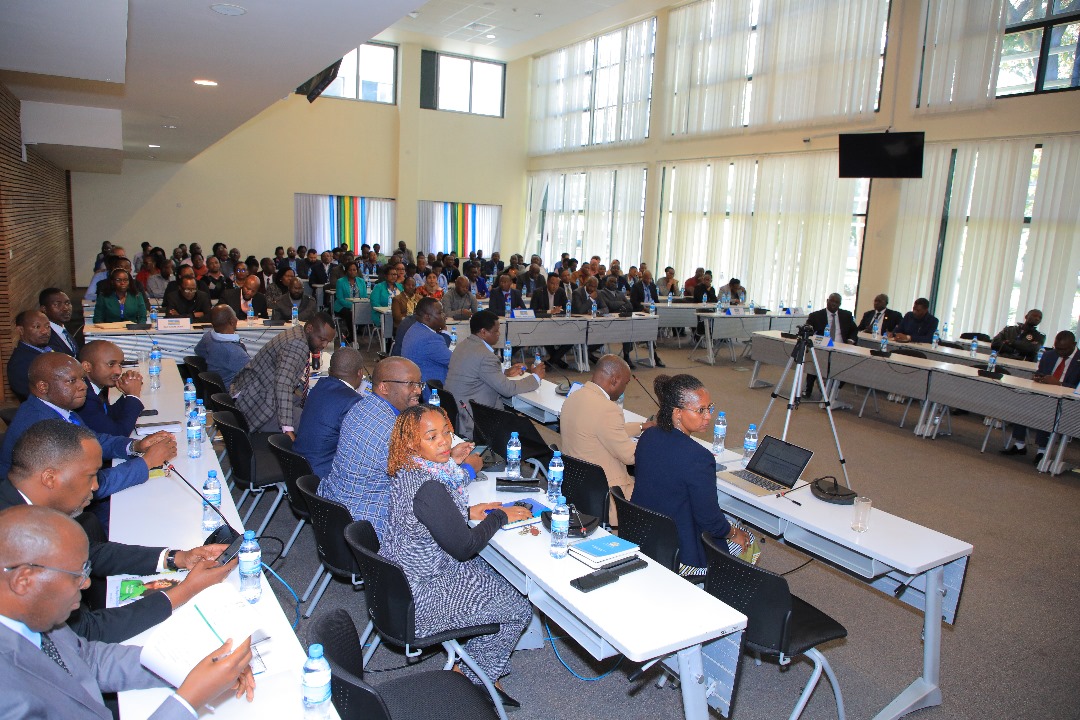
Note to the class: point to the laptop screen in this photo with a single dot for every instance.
(779, 461)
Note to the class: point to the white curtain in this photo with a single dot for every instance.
(311, 221)
(437, 231)
(918, 226)
(1052, 262)
(708, 64)
(534, 213)
(316, 225)
(978, 268)
(594, 92)
(379, 222)
(961, 52)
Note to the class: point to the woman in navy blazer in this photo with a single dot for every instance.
(676, 476)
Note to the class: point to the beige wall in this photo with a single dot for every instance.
(240, 190)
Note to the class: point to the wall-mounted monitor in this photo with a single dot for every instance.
(881, 155)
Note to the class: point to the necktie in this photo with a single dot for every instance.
(104, 395)
(69, 341)
(1059, 370)
(49, 648)
(832, 331)
(74, 419)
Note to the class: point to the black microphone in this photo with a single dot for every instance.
(316, 361)
(169, 467)
(785, 493)
(563, 389)
(645, 389)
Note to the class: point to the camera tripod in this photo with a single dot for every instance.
(797, 360)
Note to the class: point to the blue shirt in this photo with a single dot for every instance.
(224, 354)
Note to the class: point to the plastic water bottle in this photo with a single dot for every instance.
(809, 307)
(537, 359)
(719, 305)
(725, 300)
(974, 350)
(433, 398)
(554, 480)
(991, 364)
(250, 316)
(189, 396)
(592, 308)
(884, 343)
(670, 297)
(652, 308)
(513, 457)
(194, 436)
(250, 568)
(569, 308)
(153, 315)
(1039, 356)
(316, 684)
(827, 342)
(200, 412)
(936, 340)
(560, 528)
(750, 307)
(621, 402)
(508, 355)
(945, 331)
(749, 445)
(211, 492)
(155, 365)
(453, 338)
(295, 315)
(719, 435)
(877, 331)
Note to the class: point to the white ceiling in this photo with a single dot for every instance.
(140, 57)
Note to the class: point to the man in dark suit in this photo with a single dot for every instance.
(1059, 366)
(531, 281)
(842, 329)
(917, 326)
(552, 299)
(617, 302)
(46, 670)
(187, 301)
(56, 305)
(886, 318)
(505, 298)
(643, 292)
(35, 332)
(494, 266)
(240, 298)
(57, 388)
(425, 343)
(56, 467)
(304, 264)
(327, 403)
(102, 361)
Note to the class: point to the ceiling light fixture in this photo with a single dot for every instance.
(208, 83)
(414, 14)
(153, 146)
(537, 15)
(169, 127)
(227, 9)
(490, 36)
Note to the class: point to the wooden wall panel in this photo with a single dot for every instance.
(35, 228)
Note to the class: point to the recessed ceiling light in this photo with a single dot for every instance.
(414, 14)
(153, 146)
(537, 15)
(490, 36)
(169, 127)
(227, 9)
(152, 157)
(209, 83)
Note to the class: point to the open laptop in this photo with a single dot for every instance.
(775, 467)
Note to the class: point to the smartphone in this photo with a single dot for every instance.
(231, 551)
(148, 412)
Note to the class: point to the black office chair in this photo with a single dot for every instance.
(391, 609)
(8, 415)
(494, 427)
(192, 366)
(449, 403)
(212, 383)
(293, 465)
(329, 520)
(981, 337)
(585, 485)
(434, 694)
(253, 467)
(778, 623)
(656, 534)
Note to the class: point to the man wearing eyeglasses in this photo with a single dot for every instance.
(358, 478)
(54, 465)
(48, 671)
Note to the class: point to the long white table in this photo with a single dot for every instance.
(741, 327)
(164, 511)
(176, 344)
(957, 356)
(648, 614)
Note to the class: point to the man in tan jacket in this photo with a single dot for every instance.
(593, 427)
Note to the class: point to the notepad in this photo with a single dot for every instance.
(600, 551)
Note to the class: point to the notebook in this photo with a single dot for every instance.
(775, 466)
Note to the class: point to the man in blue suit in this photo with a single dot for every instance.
(57, 307)
(36, 332)
(425, 343)
(56, 389)
(1059, 366)
(102, 361)
(327, 403)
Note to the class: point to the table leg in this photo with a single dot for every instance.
(924, 692)
(923, 417)
(1056, 468)
(710, 353)
(692, 683)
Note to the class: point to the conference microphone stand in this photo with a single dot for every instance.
(804, 344)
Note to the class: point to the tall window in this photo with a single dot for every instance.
(749, 63)
(598, 211)
(1039, 53)
(458, 227)
(328, 221)
(596, 92)
(367, 73)
(461, 84)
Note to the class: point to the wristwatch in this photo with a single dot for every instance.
(170, 560)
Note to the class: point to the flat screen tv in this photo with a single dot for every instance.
(314, 87)
(881, 155)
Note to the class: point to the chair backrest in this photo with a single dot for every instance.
(910, 353)
(329, 520)
(293, 466)
(762, 596)
(193, 365)
(585, 485)
(386, 590)
(496, 425)
(223, 401)
(448, 403)
(237, 446)
(213, 382)
(981, 337)
(352, 697)
(656, 534)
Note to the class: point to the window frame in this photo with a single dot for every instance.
(394, 76)
(1046, 25)
(429, 84)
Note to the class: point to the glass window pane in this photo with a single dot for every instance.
(1066, 6)
(1022, 11)
(344, 85)
(1061, 67)
(1019, 62)
(487, 90)
(375, 70)
(454, 81)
